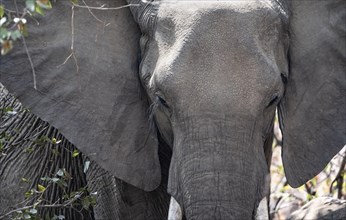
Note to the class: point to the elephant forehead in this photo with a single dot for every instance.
(176, 17)
(228, 44)
(220, 29)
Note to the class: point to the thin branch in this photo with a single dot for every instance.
(16, 6)
(339, 178)
(102, 7)
(37, 206)
(72, 54)
(34, 19)
(93, 14)
(10, 11)
(72, 28)
(280, 183)
(68, 204)
(27, 51)
(67, 58)
(75, 61)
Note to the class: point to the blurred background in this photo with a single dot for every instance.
(285, 199)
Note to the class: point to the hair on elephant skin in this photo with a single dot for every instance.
(209, 75)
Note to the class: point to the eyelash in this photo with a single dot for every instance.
(160, 100)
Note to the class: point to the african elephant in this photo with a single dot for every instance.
(204, 76)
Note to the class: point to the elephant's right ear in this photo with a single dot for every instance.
(312, 112)
(93, 94)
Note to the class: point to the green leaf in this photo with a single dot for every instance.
(75, 153)
(3, 21)
(30, 4)
(29, 150)
(33, 211)
(85, 203)
(6, 47)
(60, 172)
(39, 10)
(25, 180)
(62, 183)
(46, 179)
(55, 180)
(75, 195)
(309, 197)
(74, 1)
(23, 29)
(15, 35)
(57, 217)
(55, 141)
(2, 11)
(92, 200)
(55, 152)
(41, 188)
(4, 33)
(42, 140)
(27, 216)
(26, 109)
(44, 4)
(86, 166)
(29, 193)
(5, 135)
(9, 110)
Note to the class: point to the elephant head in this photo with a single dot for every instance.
(213, 73)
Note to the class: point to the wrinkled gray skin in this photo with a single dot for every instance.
(214, 73)
(23, 130)
(115, 198)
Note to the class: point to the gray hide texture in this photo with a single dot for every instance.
(224, 65)
(24, 131)
(312, 113)
(98, 108)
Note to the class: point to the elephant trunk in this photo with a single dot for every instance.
(218, 172)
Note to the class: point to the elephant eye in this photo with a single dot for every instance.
(284, 78)
(273, 101)
(162, 101)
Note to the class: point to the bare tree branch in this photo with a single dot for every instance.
(102, 7)
(339, 179)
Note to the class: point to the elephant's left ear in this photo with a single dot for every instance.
(91, 94)
(312, 112)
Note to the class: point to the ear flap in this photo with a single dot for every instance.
(93, 99)
(312, 112)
